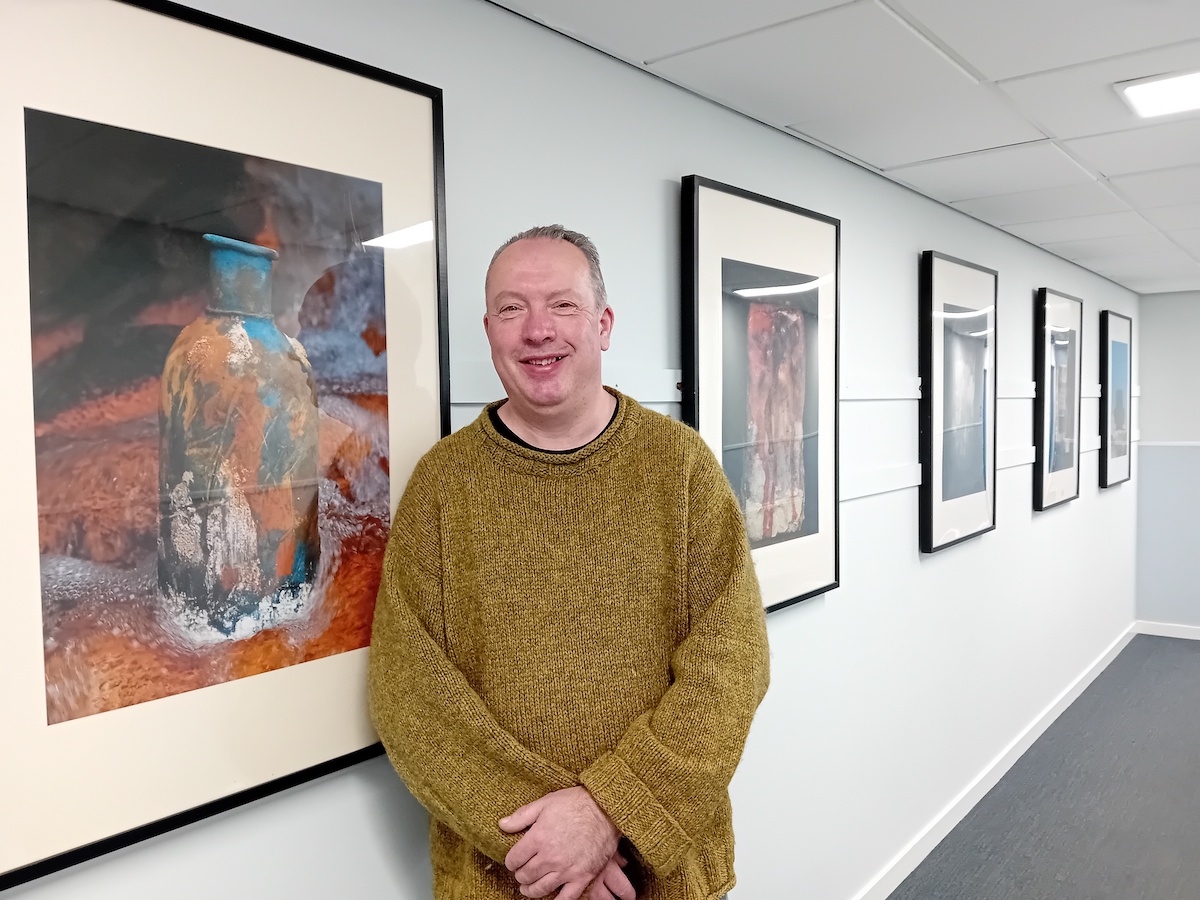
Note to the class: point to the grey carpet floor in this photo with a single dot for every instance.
(1104, 806)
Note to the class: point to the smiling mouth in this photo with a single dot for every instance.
(541, 361)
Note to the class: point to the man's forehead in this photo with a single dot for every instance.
(537, 259)
(541, 248)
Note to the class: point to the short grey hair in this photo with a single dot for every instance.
(575, 239)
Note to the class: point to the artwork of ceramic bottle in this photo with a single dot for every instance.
(238, 466)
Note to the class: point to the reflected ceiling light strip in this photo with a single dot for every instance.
(969, 314)
(1161, 95)
(779, 289)
(421, 233)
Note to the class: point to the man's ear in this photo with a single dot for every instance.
(606, 326)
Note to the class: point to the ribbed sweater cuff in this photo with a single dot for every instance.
(636, 811)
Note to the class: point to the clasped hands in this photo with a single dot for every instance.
(569, 846)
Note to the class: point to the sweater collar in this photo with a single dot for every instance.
(592, 454)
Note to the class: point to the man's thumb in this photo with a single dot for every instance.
(520, 819)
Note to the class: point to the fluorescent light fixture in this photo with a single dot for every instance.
(1161, 95)
(421, 233)
(969, 314)
(779, 289)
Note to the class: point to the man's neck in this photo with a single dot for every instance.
(554, 431)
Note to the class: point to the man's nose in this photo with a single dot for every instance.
(539, 326)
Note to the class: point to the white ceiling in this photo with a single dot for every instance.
(1003, 109)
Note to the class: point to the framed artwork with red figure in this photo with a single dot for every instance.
(760, 373)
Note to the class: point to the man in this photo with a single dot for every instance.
(569, 642)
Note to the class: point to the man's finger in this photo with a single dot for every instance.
(536, 868)
(544, 886)
(520, 819)
(617, 882)
(572, 890)
(522, 852)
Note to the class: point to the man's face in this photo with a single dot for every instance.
(544, 329)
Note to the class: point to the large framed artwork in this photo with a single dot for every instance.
(1057, 354)
(1116, 385)
(224, 355)
(957, 409)
(760, 373)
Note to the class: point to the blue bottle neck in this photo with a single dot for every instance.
(241, 276)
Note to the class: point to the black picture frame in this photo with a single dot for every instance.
(1116, 398)
(1057, 373)
(957, 357)
(320, 718)
(755, 267)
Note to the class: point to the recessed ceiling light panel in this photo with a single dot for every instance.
(1161, 95)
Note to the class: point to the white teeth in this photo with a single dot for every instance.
(544, 362)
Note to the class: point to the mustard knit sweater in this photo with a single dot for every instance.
(547, 620)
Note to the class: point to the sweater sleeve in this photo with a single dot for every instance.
(671, 769)
(454, 756)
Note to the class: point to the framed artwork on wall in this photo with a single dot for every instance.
(957, 409)
(1057, 356)
(760, 373)
(1116, 392)
(225, 354)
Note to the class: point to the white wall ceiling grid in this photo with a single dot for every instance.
(1003, 109)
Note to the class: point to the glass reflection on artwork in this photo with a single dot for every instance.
(1063, 344)
(1120, 381)
(274, 506)
(964, 407)
(770, 390)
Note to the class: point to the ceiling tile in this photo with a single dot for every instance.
(915, 129)
(640, 31)
(1171, 218)
(1143, 265)
(1166, 187)
(1122, 246)
(1160, 283)
(1164, 146)
(1081, 101)
(1082, 228)
(1189, 239)
(1017, 37)
(990, 173)
(1039, 206)
(851, 59)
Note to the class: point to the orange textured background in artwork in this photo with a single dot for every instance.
(106, 655)
(47, 343)
(98, 498)
(138, 402)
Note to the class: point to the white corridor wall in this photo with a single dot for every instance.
(889, 695)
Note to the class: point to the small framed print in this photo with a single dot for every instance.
(1116, 386)
(760, 373)
(958, 400)
(1057, 348)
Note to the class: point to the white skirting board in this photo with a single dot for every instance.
(1166, 629)
(879, 887)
